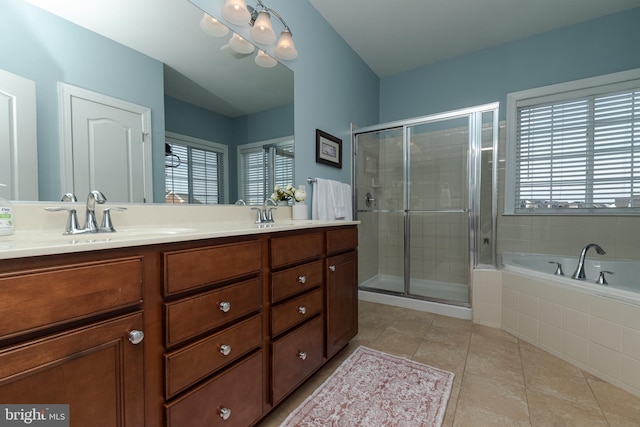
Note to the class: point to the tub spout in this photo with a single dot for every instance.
(579, 273)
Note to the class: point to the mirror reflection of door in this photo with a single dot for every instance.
(18, 147)
(107, 145)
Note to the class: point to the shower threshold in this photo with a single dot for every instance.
(442, 292)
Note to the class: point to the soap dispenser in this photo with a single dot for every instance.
(6, 216)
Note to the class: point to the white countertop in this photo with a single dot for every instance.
(41, 233)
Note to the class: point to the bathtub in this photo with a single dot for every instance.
(594, 327)
(623, 284)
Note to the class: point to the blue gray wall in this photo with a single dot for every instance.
(592, 48)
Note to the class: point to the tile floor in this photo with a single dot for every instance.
(500, 380)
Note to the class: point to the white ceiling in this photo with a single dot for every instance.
(393, 36)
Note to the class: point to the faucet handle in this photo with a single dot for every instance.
(259, 215)
(69, 197)
(601, 279)
(269, 215)
(559, 271)
(107, 223)
(72, 220)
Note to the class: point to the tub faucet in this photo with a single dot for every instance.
(91, 224)
(579, 273)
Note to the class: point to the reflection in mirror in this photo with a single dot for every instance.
(197, 87)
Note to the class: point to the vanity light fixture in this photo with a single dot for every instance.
(213, 27)
(240, 45)
(259, 18)
(264, 60)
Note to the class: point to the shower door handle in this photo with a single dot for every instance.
(368, 199)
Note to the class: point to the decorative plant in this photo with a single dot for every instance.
(288, 193)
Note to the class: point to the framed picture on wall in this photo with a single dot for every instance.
(328, 149)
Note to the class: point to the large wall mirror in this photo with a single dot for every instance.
(199, 91)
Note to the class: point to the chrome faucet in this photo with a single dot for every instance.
(579, 273)
(91, 224)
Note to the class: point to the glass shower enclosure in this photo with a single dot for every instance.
(425, 196)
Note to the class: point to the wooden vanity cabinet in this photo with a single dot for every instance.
(342, 288)
(232, 326)
(66, 337)
(214, 334)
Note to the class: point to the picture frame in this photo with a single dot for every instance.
(328, 149)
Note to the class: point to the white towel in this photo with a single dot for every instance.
(331, 200)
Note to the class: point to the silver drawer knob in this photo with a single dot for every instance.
(332, 267)
(225, 413)
(225, 349)
(302, 279)
(136, 336)
(225, 306)
(302, 310)
(302, 355)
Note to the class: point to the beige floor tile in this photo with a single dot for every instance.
(500, 380)
(443, 356)
(546, 410)
(504, 367)
(614, 400)
(492, 401)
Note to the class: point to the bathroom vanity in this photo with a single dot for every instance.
(191, 327)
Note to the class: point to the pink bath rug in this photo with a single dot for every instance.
(371, 388)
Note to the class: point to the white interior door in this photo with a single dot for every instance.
(18, 142)
(108, 147)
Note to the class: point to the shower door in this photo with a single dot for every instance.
(417, 198)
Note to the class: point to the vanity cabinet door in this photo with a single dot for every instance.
(342, 300)
(96, 370)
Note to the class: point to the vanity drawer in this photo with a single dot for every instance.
(35, 299)
(342, 239)
(296, 311)
(195, 361)
(195, 315)
(295, 356)
(239, 389)
(297, 248)
(292, 281)
(193, 268)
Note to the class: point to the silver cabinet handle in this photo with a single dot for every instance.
(332, 267)
(225, 413)
(302, 355)
(136, 337)
(225, 349)
(225, 306)
(302, 310)
(302, 279)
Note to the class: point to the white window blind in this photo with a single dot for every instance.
(194, 175)
(578, 152)
(264, 166)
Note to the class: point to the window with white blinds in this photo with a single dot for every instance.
(262, 167)
(577, 150)
(193, 173)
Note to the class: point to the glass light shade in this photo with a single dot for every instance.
(264, 60)
(240, 45)
(262, 31)
(285, 48)
(235, 11)
(213, 27)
